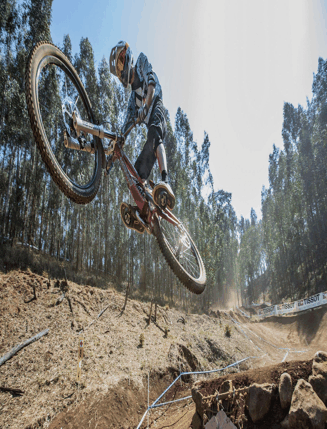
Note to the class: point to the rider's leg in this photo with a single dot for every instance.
(153, 149)
(162, 161)
(163, 195)
(147, 157)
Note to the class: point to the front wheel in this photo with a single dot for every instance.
(54, 92)
(181, 254)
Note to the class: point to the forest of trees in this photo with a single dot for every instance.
(287, 249)
(283, 255)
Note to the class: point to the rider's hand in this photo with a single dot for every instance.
(143, 111)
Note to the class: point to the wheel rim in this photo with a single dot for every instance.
(58, 95)
(182, 247)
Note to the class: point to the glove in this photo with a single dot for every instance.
(143, 111)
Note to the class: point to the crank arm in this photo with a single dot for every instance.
(143, 223)
(167, 215)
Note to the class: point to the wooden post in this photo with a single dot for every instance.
(11, 390)
(22, 345)
(149, 321)
(126, 297)
(80, 357)
(155, 312)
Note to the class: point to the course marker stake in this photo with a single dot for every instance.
(80, 357)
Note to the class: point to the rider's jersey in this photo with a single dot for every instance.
(143, 77)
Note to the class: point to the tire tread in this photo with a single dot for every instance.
(192, 285)
(65, 186)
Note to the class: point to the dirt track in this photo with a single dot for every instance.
(113, 392)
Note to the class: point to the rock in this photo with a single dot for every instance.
(223, 421)
(285, 390)
(307, 410)
(318, 379)
(285, 424)
(319, 366)
(220, 421)
(258, 400)
(212, 424)
(196, 421)
(197, 398)
(319, 385)
(227, 386)
(320, 357)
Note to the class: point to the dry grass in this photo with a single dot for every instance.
(46, 370)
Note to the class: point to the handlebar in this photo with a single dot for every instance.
(98, 130)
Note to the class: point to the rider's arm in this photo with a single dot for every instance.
(150, 95)
(131, 113)
(146, 72)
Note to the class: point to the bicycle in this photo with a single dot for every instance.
(71, 146)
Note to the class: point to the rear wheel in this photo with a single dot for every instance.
(53, 92)
(181, 254)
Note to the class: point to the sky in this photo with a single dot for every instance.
(229, 65)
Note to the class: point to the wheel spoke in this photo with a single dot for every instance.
(58, 96)
(76, 102)
(177, 239)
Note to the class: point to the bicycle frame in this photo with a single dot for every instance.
(147, 207)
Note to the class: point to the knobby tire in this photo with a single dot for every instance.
(196, 284)
(77, 192)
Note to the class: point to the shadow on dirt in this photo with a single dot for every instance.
(309, 325)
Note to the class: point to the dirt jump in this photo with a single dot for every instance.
(129, 359)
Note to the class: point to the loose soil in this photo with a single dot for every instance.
(113, 390)
(269, 374)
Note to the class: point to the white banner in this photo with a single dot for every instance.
(269, 311)
(311, 302)
(287, 307)
(293, 307)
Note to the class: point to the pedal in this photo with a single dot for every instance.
(164, 196)
(127, 213)
(162, 199)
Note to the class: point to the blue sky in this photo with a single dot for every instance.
(230, 66)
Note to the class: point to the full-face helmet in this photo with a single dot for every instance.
(121, 62)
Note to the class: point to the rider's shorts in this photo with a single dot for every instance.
(157, 128)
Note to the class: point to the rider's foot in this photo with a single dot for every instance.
(163, 195)
(127, 213)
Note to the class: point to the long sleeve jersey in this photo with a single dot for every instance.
(143, 77)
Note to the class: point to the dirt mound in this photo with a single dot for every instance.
(307, 328)
(271, 374)
(46, 370)
(121, 407)
(115, 367)
(268, 374)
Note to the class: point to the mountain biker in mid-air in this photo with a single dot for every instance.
(145, 103)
